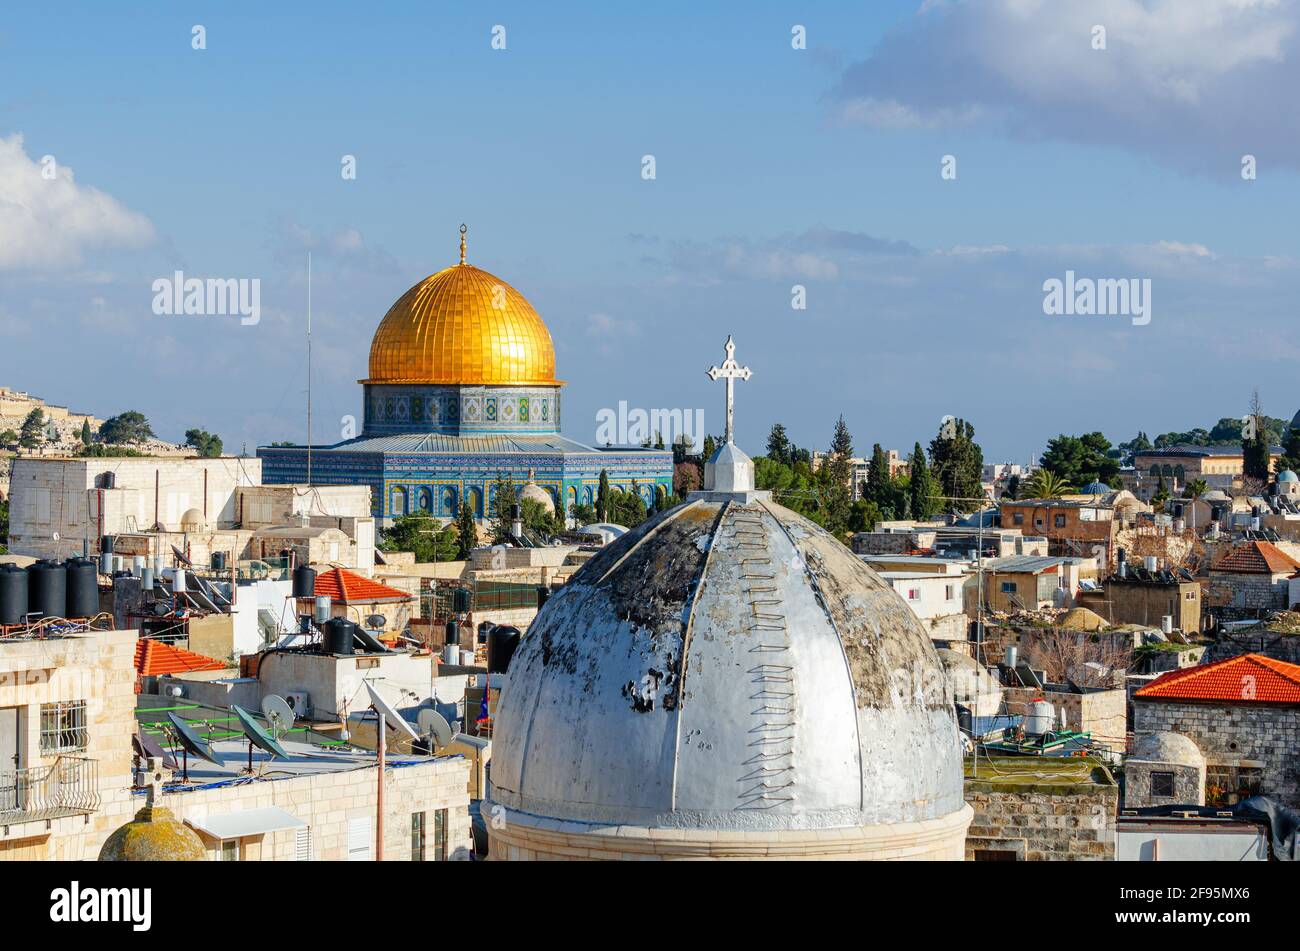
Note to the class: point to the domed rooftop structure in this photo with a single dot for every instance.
(973, 686)
(154, 835)
(1287, 475)
(1167, 747)
(193, 521)
(462, 326)
(1215, 495)
(1097, 488)
(531, 490)
(722, 677)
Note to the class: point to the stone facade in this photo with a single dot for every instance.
(1241, 743)
(1041, 819)
(1242, 595)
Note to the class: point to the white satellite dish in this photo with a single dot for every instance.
(278, 714)
(432, 723)
(390, 715)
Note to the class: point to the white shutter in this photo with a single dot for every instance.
(359, 839)
(302, 845)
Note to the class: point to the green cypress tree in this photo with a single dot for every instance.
(921, 487)
(466, 530)
(602, 497)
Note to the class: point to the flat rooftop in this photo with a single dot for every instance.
(1049, 775)
(311, 752)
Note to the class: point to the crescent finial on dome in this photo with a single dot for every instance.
(463, 229)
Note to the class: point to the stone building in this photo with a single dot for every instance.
(1164, 769)
(1041, 808)
(1132, 600)
(68, 715)
(726, 681)
(1251, 579)
(1243, 715)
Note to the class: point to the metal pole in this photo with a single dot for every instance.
(309, 368)
(379, 798)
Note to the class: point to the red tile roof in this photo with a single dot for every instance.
(348, 587)
(1248, 678)
(154, 657)
(1260, 558)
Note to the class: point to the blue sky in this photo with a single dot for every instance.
(775, 167)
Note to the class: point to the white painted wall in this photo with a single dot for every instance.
(1190, 846)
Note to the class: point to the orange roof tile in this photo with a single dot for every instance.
(348, 587)
(1262, 558)
(1248, 678)
(153, 657)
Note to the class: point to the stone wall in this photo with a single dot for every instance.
(1040, 820)
(1251, 735)
(1236, 595)
(1189, 784)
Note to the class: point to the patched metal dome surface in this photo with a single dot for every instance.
(727, 665)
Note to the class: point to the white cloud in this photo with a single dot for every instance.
(48, 221)
(1199, 81)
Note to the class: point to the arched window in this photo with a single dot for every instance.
(1180, 473)
(399, 506)
(448, 501)
(475, 496)
(425, 499)
(1155, 471)
(1167, 470)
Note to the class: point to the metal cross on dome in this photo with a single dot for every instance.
(731, 371)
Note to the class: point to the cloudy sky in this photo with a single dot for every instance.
(125, 155)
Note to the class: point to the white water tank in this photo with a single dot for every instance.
(1040, 719)
(1150, 563)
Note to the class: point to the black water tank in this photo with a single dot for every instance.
(502, 643)
(304, 582)
(338, 635)
(106, 545)
(83, 587)
(484, 629)
(47, 589)
(453, 633)
(13, 594)
(460, 601)
(218, 561)
(543, 592)
(108, 480)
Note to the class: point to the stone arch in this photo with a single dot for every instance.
(424, 499)
(399, 500)
(475, 496)
(447, 501)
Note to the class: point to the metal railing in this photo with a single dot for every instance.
(67, 787)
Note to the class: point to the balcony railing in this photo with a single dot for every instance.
(67, 787)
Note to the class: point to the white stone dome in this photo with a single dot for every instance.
(727, 665)
(1165, 746)
(535, 492)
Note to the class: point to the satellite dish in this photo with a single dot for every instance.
(256, 735)
(390, 715)
(150, 748)
(376, 621)
(278, 714)
(192, 742)
(432, 723)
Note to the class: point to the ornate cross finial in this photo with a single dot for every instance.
(730, 371)
(463, 229)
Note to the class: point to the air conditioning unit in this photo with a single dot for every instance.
(299, 702)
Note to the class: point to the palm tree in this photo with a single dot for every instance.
(1045, 484)
(1195, 489)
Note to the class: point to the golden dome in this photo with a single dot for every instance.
(462, 326)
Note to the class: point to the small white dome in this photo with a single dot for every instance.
(1167, 747)
(193, 521)
(606, 530)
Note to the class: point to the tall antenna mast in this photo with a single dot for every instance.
(309, 368)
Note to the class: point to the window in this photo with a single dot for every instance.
(1018, 518)
(359, 839)
(995, 855)
(63, 727)
(1008, 587)
(914, 594)
(1162, 785)
(440, 835)
(229, 850)
(417, 837)
(949, 592)
(1059, 520)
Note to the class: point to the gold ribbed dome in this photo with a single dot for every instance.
(462, 326)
